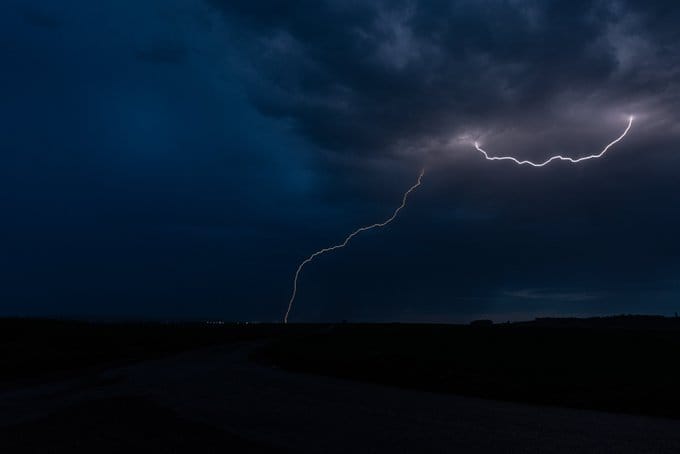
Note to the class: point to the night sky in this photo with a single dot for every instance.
(177, 159)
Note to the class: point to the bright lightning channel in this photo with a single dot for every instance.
(558, 157)
(420, 176)
(347, 240)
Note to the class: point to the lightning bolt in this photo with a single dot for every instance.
(347, 240)
(558, 157)
(418, 182)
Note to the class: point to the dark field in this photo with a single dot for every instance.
(145, 387)
(37, 350)
(620, 364)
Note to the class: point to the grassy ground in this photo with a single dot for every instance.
(38, 350)
(623, 365)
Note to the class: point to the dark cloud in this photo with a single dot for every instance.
(400, 78)
(419, 81)
(373, 78)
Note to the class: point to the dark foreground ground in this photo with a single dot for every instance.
(75, 387)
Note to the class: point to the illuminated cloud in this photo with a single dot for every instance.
(396, 80)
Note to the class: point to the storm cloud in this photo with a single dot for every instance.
(376, 78)
(179, 158)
